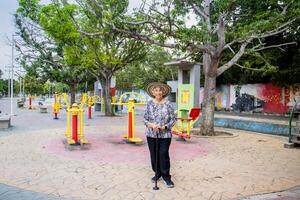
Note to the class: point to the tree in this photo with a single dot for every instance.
(107, 51)
(1, 84)
(51, 47)
(284, 59)
(102, 56)
(236, 26)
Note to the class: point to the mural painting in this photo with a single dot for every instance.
(267, 98)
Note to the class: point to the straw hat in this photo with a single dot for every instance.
(166, 90)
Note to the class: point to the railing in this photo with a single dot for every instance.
(290, 120)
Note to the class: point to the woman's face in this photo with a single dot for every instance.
(157, 93)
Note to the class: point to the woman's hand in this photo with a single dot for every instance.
(156, 128)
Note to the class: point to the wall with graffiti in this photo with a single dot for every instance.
(250, 98)
(257, 97)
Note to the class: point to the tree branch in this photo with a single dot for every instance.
(233, 61)
(275, 31)
(203, 13)
(274, 46)
(143, 38)
(221, 34)
(248, 68)
(191, 47)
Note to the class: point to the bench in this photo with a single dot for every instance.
(4, 122)
(43, 109)
(20, 104)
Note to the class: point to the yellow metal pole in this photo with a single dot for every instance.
(133, 129)
(82, 139)
(66, 100)
(188, 128)
(182, 128)
(69, 110)
(68, 133)
(80, 123)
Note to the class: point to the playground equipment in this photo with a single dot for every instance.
(183, 129)
(30, 102)
(30, 99)
(113, 100)
(90, 102)
(56, 105)
(77, 137)
(294, 137)
(130, 135)
(187, 96)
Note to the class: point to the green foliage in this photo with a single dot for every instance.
(107, 51)
(56, 40)
(61, 87)
(47, 87)
(33, 85)
(151, 69)
(3, 88)
(56, 21)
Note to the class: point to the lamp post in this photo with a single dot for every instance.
(12, 77)
(21, 82)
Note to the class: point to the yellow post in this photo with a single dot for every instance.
(68, 132)
(81, 123)
(188, 128)
(69, 110)
(82, 139)
(56, 105)
(182, 126)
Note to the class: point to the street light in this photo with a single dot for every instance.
(12, 77)
(21, 81)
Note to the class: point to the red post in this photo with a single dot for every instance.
(30, 103)
(129, 125)
(89, 112)
(75, 127)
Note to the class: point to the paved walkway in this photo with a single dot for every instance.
(13, 193)
(34, 162)
(290, 194)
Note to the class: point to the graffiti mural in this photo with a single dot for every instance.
(267, 98)
(222, 97)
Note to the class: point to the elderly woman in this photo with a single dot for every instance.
(159, 119)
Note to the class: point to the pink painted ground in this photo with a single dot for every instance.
(113, 149)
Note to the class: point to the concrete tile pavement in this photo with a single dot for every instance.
(13, 193)
(290, 194)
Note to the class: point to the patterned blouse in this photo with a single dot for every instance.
(162, 114)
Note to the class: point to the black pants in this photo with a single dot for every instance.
(163, 165)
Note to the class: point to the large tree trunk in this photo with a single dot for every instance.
(105, 83)
(210, 65)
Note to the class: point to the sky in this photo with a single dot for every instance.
(7, 8)
(7, 29)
